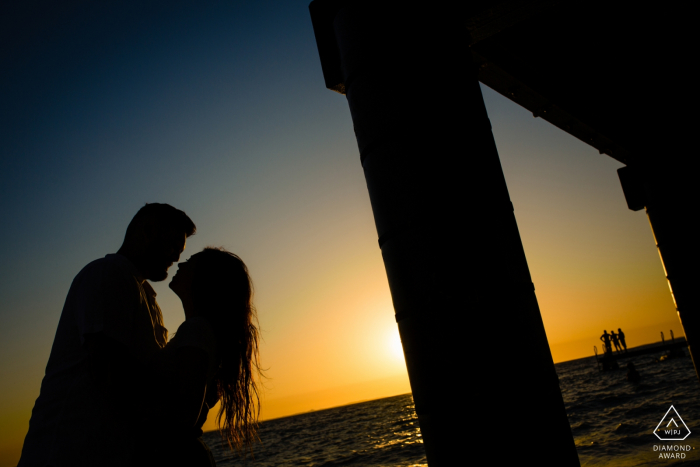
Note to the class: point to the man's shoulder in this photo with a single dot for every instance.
(111, 262)
(105, 284)
(111, 268)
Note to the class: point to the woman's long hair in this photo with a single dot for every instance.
(222, 292)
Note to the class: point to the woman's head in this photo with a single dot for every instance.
(220, 290)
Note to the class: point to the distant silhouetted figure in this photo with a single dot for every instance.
(606, 341)
(632, 373)
(621, 337)
(616, 343)
(94, 402)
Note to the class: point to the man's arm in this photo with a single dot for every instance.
(129, 386)
(115, 371)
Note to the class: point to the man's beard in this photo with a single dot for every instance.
(156, 266)
(156, 273)
(157, 276)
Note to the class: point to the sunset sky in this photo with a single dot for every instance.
(221, 111)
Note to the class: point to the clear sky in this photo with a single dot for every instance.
(220, 110)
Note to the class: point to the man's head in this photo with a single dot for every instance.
(155, 238)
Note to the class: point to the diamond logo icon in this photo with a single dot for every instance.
(672, 427)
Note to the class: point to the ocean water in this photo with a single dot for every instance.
(612, 420)
(382, 432)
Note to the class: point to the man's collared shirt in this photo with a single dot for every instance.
(72, 424)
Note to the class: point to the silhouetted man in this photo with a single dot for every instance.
(606, 341)
(621, 337)
(94, 392)
(615, 342)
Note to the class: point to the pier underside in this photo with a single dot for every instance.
(617, 78)
(609, 75)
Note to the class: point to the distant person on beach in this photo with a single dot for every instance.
(606, 341)
(633, 375)
(94, 397)
(214, 357)
(621, 337)
(615, 341)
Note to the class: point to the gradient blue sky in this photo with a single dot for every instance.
(220, 110)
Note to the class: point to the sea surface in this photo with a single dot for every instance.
(612, 420)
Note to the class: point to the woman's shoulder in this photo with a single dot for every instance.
(198, 325)
(194, 332)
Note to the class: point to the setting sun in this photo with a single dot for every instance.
(395, 344)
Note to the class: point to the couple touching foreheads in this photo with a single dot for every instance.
(116, 391)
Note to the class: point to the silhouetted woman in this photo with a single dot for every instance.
(213, 357)
(615, 342)
(621, 337)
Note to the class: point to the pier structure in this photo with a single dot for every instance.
(445, 222)
(446, 227)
